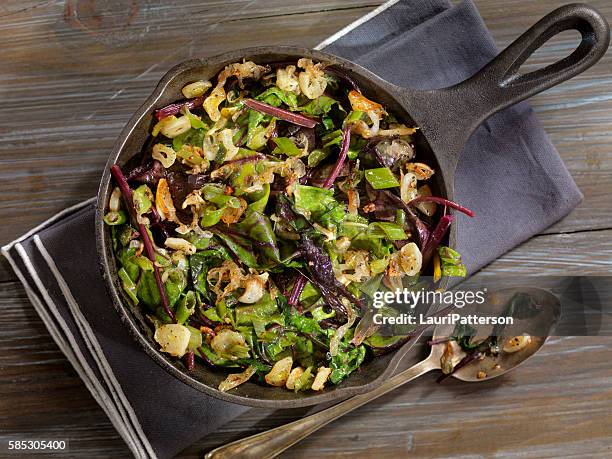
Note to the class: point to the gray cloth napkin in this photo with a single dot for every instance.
(509, 172)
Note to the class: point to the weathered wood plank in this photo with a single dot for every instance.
(70, 81)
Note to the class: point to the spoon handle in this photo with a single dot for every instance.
(272, 442)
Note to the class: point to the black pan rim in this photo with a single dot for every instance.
(333, 393)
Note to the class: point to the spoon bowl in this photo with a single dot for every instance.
(538, 327)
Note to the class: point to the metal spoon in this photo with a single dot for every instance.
(273, 442)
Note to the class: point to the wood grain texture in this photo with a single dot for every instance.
(69, 81)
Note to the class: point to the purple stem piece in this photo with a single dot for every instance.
(281, 114)
(444, 202)
(175, 108)
(127, 195)
(346, 140)
(299, 285)
(436, 237)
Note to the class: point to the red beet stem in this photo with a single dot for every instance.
(281, 114)
(444, 202)
(189, 359)
(299, 285)
(173, 109)
(127, 195)
(436, 237)
(346, 140)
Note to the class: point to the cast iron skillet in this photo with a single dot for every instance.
(446, 118)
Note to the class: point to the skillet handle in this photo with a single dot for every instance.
(499, 84)
(500, 81)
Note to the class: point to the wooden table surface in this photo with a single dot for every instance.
(72, 73)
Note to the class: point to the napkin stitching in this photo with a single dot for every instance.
(56, 334)
(71, 340)
(353, 25)
(94, 346)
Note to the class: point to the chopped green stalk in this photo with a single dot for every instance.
(316, 156)
(115, 218)
(400, 217)
(195, 340)
(128, 285)
(381, 178)
(196, 122)
(304, 381)
(142, 199)
(450, 261)
(186, 307)
(286, 146)
(143, 262)
(355, 115)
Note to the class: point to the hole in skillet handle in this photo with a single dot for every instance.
(499, 84)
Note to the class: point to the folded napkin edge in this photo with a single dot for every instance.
(64, 338)
(93, 345)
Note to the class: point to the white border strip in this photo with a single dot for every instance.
(357, 23)
(87, 370)
(47, 222)
(94, 347)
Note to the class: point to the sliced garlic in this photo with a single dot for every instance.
(212, 102)
(319, 381)
(164, 154)
(176, 243)
(408, 186)
(427, 207)
(196, 89)
(409, 260)
(280, 372)
(173, 126)
(254, 288)
(516, 343)
(114, 203)
(173, 339)
(293, 376)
